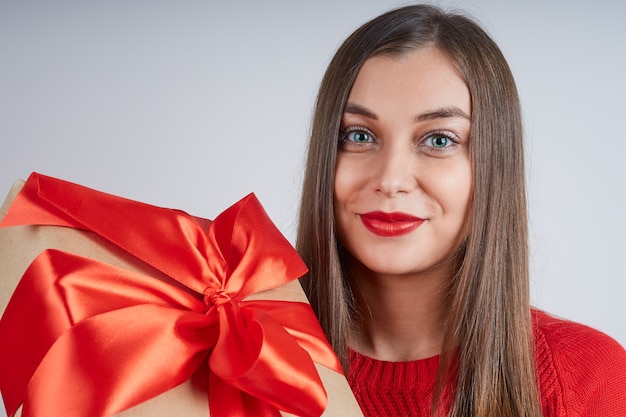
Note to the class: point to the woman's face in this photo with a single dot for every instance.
(403, 176)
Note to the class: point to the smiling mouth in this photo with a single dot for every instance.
(390, 224)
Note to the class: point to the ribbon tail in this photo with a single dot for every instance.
(227, 401)
(270, 365)
(299, 320)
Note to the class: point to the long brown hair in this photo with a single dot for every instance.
(488, 349)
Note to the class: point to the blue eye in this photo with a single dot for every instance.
(358, 136)
(438, 141)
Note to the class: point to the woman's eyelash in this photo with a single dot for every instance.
(450, 139)
(364, 133)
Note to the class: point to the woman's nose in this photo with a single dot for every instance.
(395, 171)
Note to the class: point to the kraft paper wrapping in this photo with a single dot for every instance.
(20, 245)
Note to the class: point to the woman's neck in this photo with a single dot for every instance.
(402, 317)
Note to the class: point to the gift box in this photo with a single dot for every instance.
(114, 307)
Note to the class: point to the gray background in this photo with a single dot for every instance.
(192, 105)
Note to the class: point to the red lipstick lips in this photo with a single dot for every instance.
(390, 224)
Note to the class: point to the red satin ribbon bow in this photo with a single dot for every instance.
(83, 338)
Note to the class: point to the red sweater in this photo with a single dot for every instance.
(581, 372)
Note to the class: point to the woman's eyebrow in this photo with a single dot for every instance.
(360, 110)
(441, 113)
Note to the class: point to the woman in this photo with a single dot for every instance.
(413, 224)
